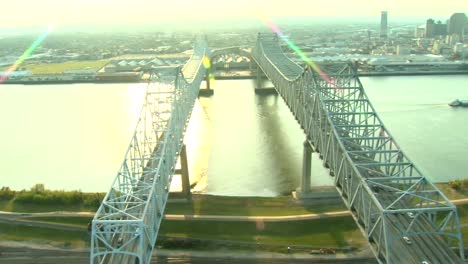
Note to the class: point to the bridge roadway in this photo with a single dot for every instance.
(405, 217)
(126, 225)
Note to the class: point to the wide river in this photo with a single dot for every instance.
(74, 137)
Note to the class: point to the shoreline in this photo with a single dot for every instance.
(411, 73)
(235, 77)
(69, 82)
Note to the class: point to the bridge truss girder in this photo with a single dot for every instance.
(125, 227)
(388, 196)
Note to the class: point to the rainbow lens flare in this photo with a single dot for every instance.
(297, 50)
(25, 55)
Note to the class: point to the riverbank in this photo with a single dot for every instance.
(222, 77)
(242, 219)
(209, 222)
(38, 199)
(49, 82)
(411, 73)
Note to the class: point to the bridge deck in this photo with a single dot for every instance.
(405, 217)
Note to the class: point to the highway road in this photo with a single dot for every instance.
(21, 255)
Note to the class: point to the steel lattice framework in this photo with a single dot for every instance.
(405, 218)
(125, 227)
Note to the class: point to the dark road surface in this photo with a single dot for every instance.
(19, 255)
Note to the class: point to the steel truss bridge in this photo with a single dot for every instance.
(405, 218)
(125, 227)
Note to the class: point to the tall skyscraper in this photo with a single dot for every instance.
(430, 25)
(435, 29)
(440, 29)
(456, 24)
(383, 24)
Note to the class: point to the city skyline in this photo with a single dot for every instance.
(27, 13)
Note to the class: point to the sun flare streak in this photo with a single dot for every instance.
(297, 50)
(25, 55)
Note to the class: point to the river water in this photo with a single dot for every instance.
(75, 136)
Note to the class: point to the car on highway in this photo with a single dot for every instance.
(407, 240)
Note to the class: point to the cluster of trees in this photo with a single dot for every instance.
(459, 184)
(38, 194)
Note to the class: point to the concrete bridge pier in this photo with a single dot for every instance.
(207, 91)
(207, 79)
(306, 193)
(306, 167)
(184, 174)
(260, 81)
(260, 78)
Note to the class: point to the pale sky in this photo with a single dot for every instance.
(19, 13)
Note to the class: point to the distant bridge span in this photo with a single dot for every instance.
(230, 50)
(405, 218)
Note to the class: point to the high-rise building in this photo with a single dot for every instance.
(456, 24)
(430, 25)
(383, 24)
(440, 29)
(435, 29)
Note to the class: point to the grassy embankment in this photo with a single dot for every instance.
(327, 232)
(56, 68)
(335, 232)
(47, 236)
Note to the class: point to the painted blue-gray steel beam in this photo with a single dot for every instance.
(405, 218)
(125, 227)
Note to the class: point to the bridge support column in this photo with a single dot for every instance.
(207, 91)
(306, 167)
(207, 79)
(317, 194)
(260, 81)
(304, 191)
(184, 174)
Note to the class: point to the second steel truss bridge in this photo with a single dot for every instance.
(405, 218)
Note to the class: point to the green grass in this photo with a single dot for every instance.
(52, 68)
(452, 193)
(34, 234)
(248, 206)
(72, 220)
(200, 204)
(333, 232)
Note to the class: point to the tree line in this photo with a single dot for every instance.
(38, 194)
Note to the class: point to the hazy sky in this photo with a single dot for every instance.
(19, 13)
